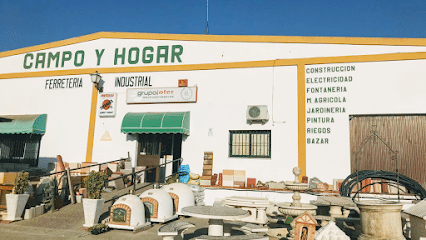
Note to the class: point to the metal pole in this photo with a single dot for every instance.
(134, 180)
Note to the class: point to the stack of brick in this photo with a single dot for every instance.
(207, 169)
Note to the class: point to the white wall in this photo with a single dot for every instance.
(67, 112)
(394, 87)
(223, 96)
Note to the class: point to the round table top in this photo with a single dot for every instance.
(215, 212)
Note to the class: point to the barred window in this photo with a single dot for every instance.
(20, 148)
(250, 143)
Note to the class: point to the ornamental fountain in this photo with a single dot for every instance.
(296, 208)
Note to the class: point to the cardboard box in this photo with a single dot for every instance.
(8, 177)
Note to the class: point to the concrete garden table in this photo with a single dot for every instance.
(254, 205)
(216, 215)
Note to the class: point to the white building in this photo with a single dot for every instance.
(306, 89)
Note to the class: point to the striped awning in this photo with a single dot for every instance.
(150, 122)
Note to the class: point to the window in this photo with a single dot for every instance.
(250, 143)
(20, 148)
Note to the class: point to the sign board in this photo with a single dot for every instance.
(107, 104)
(162, 95)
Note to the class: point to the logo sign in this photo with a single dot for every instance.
(162, 95)
(107, 104)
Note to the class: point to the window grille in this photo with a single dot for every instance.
(20, 148)
(250, 143)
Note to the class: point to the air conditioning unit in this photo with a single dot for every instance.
(257, 113)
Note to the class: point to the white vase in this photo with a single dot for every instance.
(92, 211)
(15, 206)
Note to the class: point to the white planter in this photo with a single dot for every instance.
(92, 211)
(15, 206)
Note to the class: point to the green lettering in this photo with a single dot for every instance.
(28, 65)
(81, 53)
(99, 55)
(162, 55)
(117, 56)
(66, 56)
(136, 50)
(147, 58)
(177, 50)
(52, 57)
(41, 57)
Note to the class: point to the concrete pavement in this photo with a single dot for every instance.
(67, 223)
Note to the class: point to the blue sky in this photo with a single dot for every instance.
(26, 23)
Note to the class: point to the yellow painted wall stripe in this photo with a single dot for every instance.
(301, 108)
(222, 38)
(301, 63)
(92, 122)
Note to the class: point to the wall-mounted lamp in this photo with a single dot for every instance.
(96, 79)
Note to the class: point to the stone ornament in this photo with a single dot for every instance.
(331, 232)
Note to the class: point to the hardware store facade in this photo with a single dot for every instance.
(260, 104)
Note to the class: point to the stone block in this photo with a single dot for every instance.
(118, 184)
(128, 165)
(38, 211)
(114, 167)
(29, 213)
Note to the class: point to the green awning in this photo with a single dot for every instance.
(164, 122)
(23, 124)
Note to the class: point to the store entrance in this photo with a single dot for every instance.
(155, 149)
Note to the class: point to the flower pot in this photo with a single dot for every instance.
(15, 206)
(92, 211)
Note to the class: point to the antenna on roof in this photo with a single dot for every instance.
(207, 28)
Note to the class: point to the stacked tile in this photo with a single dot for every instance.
(240, 178)
(220, 181)
(251, 182)
(228, 178)
(207, 169)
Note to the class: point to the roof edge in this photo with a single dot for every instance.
(224, 38)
